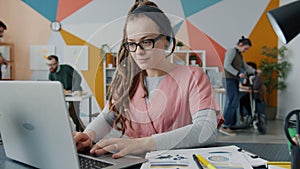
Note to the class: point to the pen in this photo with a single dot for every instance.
(197, 162)
(205, 162)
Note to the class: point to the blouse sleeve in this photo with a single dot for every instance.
(102, 125)
(201, 93)
(200, 133)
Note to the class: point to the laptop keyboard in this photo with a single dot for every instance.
(88, 163)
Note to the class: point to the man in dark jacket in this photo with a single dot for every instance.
(71, 81)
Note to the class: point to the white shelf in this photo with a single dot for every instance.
(187, 53)
(108, 73)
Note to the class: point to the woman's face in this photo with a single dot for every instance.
(145, 32)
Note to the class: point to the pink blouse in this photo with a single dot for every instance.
(182, 92)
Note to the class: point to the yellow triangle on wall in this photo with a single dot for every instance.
(94, 74)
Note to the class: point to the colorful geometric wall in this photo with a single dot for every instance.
(210, 25)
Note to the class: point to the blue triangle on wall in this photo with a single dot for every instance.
(191, 7)
(47, 8)
(176, 27)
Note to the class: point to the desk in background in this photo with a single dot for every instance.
(80, 99)
(72, 99)
(221, 96)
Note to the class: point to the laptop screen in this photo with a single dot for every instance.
(35, 126)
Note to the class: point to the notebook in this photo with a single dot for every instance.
(35, 127)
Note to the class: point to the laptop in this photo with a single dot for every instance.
(35, 127)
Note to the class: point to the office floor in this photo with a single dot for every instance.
(275, 134)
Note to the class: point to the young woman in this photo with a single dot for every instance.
(155, 103)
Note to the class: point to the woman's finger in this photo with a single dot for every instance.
(120, 154)
(113, 148)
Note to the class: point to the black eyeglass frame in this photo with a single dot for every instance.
(126, 44)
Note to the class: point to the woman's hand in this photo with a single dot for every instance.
(121, 147)
(82, 140)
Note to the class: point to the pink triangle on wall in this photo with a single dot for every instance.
(200, 41)
(67, 7)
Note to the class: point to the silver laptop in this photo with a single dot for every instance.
(35, 127)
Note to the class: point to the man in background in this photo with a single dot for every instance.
(2, 29)
(2, 60)
(235, 68)
(71, 81)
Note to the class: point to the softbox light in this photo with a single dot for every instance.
(285, 21)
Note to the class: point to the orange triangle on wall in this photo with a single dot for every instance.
(94, 74)
(71, 39)
(263, 35)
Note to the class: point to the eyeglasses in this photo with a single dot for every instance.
(146, 44)
(51, 65)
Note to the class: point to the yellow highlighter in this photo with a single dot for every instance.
(205, 162)
(283, 164)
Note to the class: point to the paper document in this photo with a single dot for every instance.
(223, 157)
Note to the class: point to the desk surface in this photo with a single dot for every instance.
(270, 152)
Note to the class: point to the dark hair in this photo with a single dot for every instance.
(252, 64)
(128, 75)
(244, 41)
(50, 57)
(158, 17)
(3, 25)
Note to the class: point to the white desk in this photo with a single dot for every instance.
(76, 98)
(221, 97)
